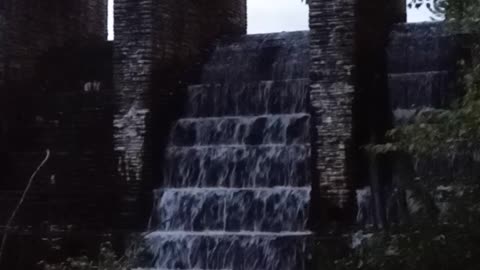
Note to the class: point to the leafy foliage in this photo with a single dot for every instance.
(464, 15)
(107, 259)
(434, 247)
(442, 132)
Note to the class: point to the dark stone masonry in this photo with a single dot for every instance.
(32, 27)
(332, 27)
(156, 41)
(105, 109)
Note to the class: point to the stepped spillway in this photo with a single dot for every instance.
(236, 186)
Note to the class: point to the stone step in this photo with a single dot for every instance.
(434, 89)
(248, 98)
(220, 250)
(259, 57)
(255, 42)
(237, 166)
(294, 67)
(421, 47)
(250, 130)
(231, 209)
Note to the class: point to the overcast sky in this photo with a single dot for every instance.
(266, 16)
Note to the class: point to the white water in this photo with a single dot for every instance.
(236, 190)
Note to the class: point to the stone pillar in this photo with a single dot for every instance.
(349, 100)
(332, 28)
(133, 64)
(155, 41)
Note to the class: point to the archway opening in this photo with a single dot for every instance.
(269, 16)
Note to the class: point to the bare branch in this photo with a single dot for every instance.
(19, 204)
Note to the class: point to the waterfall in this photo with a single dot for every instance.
(236, 185)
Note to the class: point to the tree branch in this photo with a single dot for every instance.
(19, 204)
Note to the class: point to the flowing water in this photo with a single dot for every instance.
(236, 189)
(421, 64)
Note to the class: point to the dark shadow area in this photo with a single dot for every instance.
(371, 110)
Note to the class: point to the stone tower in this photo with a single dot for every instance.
(30, 28)
(154, 42)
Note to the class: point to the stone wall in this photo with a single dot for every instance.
(64, 101)
(34, 26)
(52, 51)
(68, 111)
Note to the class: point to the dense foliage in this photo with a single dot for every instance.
(106, 259)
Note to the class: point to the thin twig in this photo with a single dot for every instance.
(19, 204)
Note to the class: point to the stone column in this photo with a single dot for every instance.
(154, 41)
(332, 27)
(133, 64)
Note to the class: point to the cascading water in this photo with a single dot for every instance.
(236, 188)
(421, 64)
